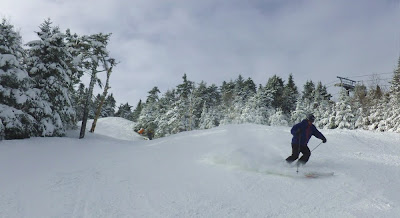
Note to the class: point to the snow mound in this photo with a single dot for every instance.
(115, 127)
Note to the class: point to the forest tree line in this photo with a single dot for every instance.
(192, 106)
(41, 94)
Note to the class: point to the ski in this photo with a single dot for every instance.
(318, 174)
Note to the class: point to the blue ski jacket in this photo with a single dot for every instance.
(303, 131)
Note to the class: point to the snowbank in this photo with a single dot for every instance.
(229, 171)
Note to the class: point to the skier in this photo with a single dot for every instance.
(141, 131)
(302, 133)
(150, 133)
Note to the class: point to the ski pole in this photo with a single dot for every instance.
(316, 147)
(298, 152)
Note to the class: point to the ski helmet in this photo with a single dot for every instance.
(310, 117)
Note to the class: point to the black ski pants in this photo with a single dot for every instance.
(296, 149)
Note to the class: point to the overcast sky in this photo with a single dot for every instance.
(157, 41)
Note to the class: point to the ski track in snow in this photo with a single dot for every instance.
(229, 171)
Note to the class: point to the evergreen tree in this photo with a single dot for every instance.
(183, 109)
(73, 46)
(227, 101)
(199, 97)
(150, 112)
(244, 89)
(186, 88)
(308, 91)
(318, 94)
(227, 94)
(395, 85)
(394, 106)
(94, 105)
(212, 96)
(320, 105)
(290, 96)
(209, 117)
(323, 114)
(259, 108)
(165, 105)
(275, 86)
(108, 109)
(362, 106)
(301, 111)
(137, 111)
(16, 95)
(360, 96)
(153, 95)
(239, 87)
(279, 119)
(249, 88)
(124, 111)
(378, 117)
(344, 118)
(48, 65)
(304, 104)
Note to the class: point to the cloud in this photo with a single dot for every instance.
(157, 41)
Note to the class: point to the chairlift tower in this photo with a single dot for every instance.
(347, 84)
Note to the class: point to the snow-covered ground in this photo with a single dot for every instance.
(229, 171)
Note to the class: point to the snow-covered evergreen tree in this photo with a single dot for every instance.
(290, 96)
(326, 115)
(259, 108)
(108, 109)
(361, 104)
(249, 89)
(183, 118)
(308, 91)
(136, 112)
(301, 111)
(124, 111)
(48, 65)
(244, 90)
(275, 85)
(227, 101)
(344, 116)
(395, 85)
(379, 110)
(164, 106)
(209, 118)
(199, 97)
(320, 105)
(148, 118)
(379, 114)
(75, 64)
(305, 103)
(394, 116)
(279, 119)
(16, 93)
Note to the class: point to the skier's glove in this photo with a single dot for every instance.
(324, 140)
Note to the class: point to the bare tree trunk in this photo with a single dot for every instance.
(103, 97)
(86, 108)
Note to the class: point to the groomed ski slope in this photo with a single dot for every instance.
(229, 171)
